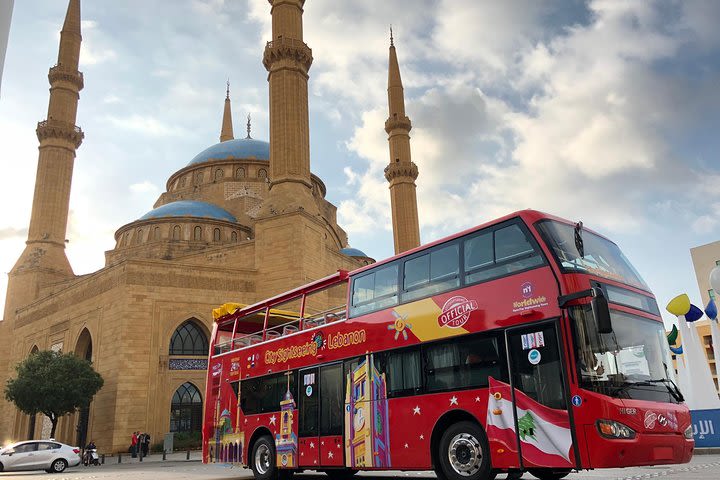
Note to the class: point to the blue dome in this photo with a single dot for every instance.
(353, 252)
(238, 148)
(189, 208)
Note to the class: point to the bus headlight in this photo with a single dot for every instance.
(688, 432)
(613, 429)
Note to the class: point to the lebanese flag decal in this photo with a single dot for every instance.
(544, 432)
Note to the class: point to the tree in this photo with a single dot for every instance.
(54, 384)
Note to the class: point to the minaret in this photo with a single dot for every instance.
(401, 172)
(226, 131)
(44, 258)
(287, 59)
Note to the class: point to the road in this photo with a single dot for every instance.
(702, 467)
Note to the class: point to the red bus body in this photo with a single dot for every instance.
(521, 316)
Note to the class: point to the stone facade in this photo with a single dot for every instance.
(269, 229)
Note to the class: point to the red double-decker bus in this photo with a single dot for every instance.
(525, 344)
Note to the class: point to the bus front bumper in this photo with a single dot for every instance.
(645, 449)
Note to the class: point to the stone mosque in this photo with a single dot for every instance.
(245, 219)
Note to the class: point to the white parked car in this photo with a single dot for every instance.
(48, 455)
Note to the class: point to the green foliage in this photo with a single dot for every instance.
(187, 440)
(54, 384)
(157, 447)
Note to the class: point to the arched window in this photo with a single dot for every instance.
(138, 236)
(197, 233)
(240, 173)
(199, 178)
(219, 173)
(157, 233)
(262, 173)
(186, 409)
(176, 232)
(182, 182)
(216, 235)
(189, 339)
(233, 236)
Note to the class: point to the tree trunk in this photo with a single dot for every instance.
(54, 420)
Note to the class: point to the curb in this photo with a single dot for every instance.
(707, 451)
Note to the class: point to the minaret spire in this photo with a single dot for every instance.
(401, 173)
(248, 128)
(44, 259)
(287, 59)
(226, 131)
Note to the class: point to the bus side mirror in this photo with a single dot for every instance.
(601, 311)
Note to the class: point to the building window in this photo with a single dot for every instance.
(197, 233)
(176, 232)
(189, 339)
(240, 173)
(157, 233)
(233, 236)
(182, 182)
(262, 173)
(199, 178)
(186, 409)
(216, 235)
(219, 173)
(138, 236)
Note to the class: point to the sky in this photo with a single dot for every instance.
(603, 111)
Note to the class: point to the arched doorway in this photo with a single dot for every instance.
(83, 350)
(186, 409)
(33, 418)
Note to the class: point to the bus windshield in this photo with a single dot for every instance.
(602, 257)
(631, 362)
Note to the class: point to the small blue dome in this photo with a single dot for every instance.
(238, 148)
(189, 208)
(353, 252)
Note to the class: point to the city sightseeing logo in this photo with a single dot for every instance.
(456, 312)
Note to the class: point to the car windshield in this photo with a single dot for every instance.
(601, 256)
(631, 362)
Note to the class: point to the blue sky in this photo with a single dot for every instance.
(602, 111)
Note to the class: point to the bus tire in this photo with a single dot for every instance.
(262, 460)
(549, 473)
(464, 453)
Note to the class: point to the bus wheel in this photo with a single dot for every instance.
(548, 473)
(262, 460)
(464, 453)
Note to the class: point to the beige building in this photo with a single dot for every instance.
(705, 258)
(243, 220)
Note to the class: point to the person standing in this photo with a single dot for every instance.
(146, 445)
(134, 445)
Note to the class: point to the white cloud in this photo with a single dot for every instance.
(146, 125)
(145, 186)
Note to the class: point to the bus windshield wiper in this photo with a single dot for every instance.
(674, 390)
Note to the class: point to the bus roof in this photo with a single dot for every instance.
(529, 215)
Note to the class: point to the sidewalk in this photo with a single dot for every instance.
(126, 458)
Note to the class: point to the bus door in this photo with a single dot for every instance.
(543, 426)
(321, 416)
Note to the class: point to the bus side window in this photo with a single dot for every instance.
(376, 290)
(498, 253)
(403, 371)
(464, 363)
(250, 396)
(436, 271)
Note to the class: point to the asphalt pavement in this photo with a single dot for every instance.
(702, 467)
